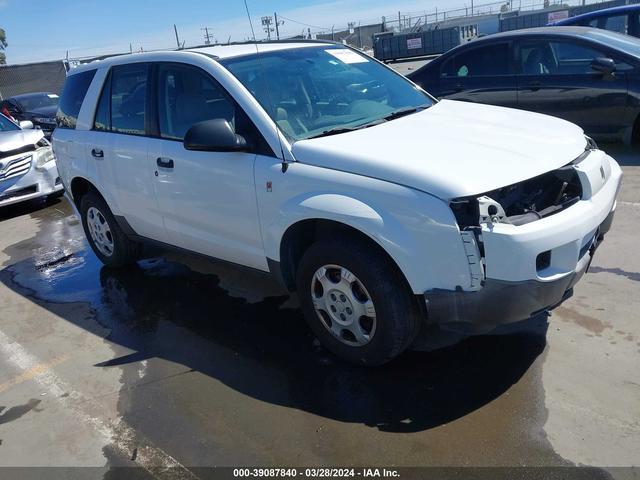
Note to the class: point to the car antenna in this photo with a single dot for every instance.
(285, 164)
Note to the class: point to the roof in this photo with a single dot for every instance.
(605, 12)
(570, 31)
(217, 51)
(249, 48)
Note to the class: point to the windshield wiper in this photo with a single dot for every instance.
(337, 130)
(391, 116)
(404, 111)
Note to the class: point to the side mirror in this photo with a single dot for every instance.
(26, 125)
(214, 135)
(604, 65)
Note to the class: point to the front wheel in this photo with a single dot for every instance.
(107, 240)
(356, 301)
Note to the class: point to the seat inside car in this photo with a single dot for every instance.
(538, 62)
(193, 106)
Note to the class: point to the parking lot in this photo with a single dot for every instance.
(183, 362)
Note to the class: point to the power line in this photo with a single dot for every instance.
(305, 24)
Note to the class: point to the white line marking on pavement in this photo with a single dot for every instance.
(116, 434)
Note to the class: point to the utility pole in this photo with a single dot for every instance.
(175, 29)
(207, 36)
(278, 23)
(472, 8)
(266, 25)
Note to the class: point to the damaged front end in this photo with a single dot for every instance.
(522, 202)
(517, 204)
(525, 245)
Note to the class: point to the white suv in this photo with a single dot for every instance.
(386, 210)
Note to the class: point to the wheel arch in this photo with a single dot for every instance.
(299, 236)
(79, 187)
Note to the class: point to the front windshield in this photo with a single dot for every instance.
(7, 125)
(309, 91)
(34, 102)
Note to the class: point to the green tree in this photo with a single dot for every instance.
(3, 45)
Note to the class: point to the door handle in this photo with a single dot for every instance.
(164, 162)
(97, 153)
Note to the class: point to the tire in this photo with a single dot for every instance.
(361, 274)
(110, 244)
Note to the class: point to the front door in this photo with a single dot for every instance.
(208, 199)
(556, 78)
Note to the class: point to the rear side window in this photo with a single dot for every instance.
(491, 60)
(102, 120)
(73, 93)
(128, 93)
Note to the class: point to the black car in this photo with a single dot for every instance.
(588, 76)
(38, 108)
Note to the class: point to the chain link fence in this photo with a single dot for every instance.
(33, 77)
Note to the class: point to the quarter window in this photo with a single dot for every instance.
(187, 96)
(73, 93)
(103, 115)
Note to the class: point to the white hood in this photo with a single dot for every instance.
(452, 149)
(13, 140)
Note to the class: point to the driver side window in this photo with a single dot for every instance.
(186, 96)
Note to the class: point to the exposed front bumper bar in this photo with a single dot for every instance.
(500, 302)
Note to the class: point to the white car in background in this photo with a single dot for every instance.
(27, 165)
(385, 210)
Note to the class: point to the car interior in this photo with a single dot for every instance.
(187, 97)
(305, 101)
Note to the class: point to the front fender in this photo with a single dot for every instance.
(417, 230)
(376, 223)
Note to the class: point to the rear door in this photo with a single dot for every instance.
(555, 77)
(481, 74)
(119, 147)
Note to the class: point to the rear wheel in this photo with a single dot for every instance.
(356, 302)
(107, 240)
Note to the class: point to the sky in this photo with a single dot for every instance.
(47, 29)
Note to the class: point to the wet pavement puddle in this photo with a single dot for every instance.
(211, 366)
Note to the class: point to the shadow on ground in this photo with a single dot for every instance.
(164, 309)
(28, 207)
